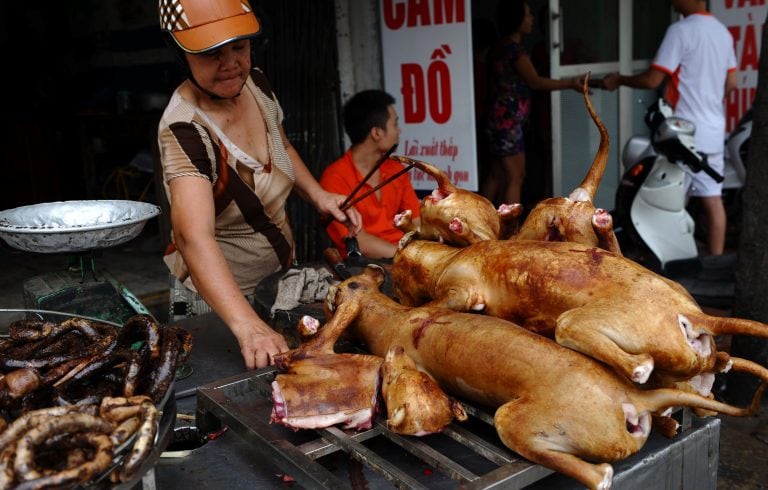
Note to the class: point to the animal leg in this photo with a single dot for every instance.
(602, 224)
(459, 300)
(509, 216)
(583, 331)
(665, 425)
(462, 233)
(513, 424)
(404, 221)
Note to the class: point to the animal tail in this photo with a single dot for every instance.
(443, 182)
(588, 187)
(747, 366)
(736, 326)
(661, 399)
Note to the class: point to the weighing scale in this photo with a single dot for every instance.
(78, 229)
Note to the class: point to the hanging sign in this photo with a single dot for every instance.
(427, 58)
(744, 19)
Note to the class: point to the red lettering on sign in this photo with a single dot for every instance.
(414, 110)
(394, 14)
(437, 98)
(749, 55)
(445, 10)
(737, 103)
(736, 34)
(743, 3)
(412, 13)
(418, 13)
(439, 88)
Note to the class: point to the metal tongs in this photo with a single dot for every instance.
(353, 248)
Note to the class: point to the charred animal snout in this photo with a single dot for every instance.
(638, 424)
(330, 298)
(700, 342)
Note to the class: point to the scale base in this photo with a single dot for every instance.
(69, 292)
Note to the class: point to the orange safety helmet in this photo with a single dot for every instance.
(198, 26)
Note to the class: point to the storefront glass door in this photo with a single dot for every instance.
(599, 37)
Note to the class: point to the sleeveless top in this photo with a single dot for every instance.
(251, 224)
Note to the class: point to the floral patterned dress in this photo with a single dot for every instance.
(510, 101)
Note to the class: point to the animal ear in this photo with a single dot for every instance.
(376, 272)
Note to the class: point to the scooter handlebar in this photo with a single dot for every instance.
(704, 165)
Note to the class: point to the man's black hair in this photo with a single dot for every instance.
(364, 111)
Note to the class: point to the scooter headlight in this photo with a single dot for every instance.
(673, 127)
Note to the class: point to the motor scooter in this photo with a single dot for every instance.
(650, 216)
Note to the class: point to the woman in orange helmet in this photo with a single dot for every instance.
(228, 169)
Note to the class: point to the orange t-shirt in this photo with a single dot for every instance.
(342, 177)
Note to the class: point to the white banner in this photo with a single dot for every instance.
(427, 58)
(745, 19)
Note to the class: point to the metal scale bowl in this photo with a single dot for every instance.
(77, 228)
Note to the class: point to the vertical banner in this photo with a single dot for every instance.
(427, 58)
(744, 19)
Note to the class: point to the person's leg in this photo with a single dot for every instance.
(716, 223)
(709, 192)
(514, 169)
(494, 183)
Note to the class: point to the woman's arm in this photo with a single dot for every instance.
(309, 189)
(530, 76)
(193, 217)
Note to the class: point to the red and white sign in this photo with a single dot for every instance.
(745, 19)
(427, 57)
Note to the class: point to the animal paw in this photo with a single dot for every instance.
(510, 211)
(642, 372)
(456, 226)
(602, 219)
(607, 480)
(308, 326)
(403, 221)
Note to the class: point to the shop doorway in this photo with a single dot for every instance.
(573, 37)
(600, 37)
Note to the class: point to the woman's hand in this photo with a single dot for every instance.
(577, 84)
(328, 203)
(259, 345)
(611, 81)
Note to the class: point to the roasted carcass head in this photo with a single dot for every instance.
(326, 390)
(459, 217)
(454, 215)
(416, 405)
(575, 218)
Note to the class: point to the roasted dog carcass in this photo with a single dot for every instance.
(575, 218)
(588, 299)
(456, 216)
(557, 407)
(459, 217)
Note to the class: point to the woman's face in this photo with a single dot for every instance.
(223, 71)
(527, 26)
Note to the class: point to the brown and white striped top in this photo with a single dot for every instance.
(252, 226)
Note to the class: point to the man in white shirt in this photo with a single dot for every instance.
(697, 58)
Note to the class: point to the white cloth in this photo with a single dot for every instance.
(299, 286)
(697, 52)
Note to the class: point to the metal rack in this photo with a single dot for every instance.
(243, 403)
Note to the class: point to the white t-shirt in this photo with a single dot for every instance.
(697, 53)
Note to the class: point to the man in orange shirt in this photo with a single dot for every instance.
(370, 121)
